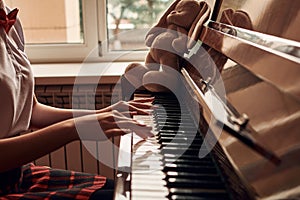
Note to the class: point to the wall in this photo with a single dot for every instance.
(49, 21)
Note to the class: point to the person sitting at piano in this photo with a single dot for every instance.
(19, 110)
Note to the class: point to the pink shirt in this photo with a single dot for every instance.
(16, 83)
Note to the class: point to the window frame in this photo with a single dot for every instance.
(93, 49)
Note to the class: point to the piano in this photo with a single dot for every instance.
(232, 130)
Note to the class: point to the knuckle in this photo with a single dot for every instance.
(115, 113)
(121, 102)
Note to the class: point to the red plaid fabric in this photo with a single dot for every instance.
(41, 182)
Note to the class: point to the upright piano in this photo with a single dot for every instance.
(232, 131)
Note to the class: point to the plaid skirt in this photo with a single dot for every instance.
(41, 182)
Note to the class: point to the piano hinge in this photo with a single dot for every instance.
(241, 121)
(205, 84)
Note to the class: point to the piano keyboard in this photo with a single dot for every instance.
(167, 166)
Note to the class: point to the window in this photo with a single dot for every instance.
(129, 21)
(91, 30)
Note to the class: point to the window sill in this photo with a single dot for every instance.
(78, 73)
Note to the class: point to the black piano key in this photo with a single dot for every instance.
(204, 193)
(180, 145)
(166, 99)
(189, 175)
(181, 141)
(176, 115)
(175, 118)
(174, 128)
(189, 168)
(166, 127)
(184, 133)
(186, 151)
(189, 136)
(194, 183)
(178, 123)
(165, 109)
(169, 111)
(185, 197)
(172, 120)
(186, 156)
(177, 140)
(187, 161)
(167, 103)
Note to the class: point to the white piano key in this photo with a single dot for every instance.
(155, 185)
(149, 183)
(136, 197)
(149, 194)
(149, 164)
(156, 178)
(153, 173)
(147, 148)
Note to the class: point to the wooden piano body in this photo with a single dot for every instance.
(257, 47)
